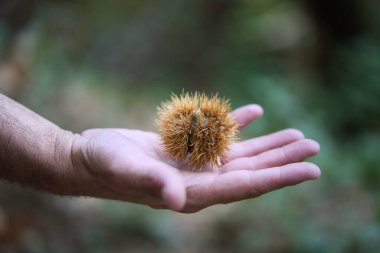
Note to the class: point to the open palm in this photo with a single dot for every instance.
(131, 165)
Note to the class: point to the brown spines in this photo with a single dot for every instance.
(197, 128)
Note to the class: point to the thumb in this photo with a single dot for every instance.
(173, 188)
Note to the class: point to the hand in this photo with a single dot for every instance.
(130, 165)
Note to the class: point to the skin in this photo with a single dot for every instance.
(130, 165)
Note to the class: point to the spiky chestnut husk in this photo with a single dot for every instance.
(196, 128)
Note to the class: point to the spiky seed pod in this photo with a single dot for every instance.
(196, 128)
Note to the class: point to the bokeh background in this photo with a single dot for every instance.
(312, 64)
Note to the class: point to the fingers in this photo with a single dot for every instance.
(291, 153)
(244, 184)
(246, 114)
(258, 145)
(264, 181)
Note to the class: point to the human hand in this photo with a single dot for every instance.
(131, 165)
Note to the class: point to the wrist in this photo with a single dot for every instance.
(35, 152)
(71, 153)
(56, 171)
(84, 177)
(78, 178)
(65, 177)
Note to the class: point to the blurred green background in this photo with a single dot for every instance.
(312, 64)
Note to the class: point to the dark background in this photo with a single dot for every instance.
(312, 65)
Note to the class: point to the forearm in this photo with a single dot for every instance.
(33, 151)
